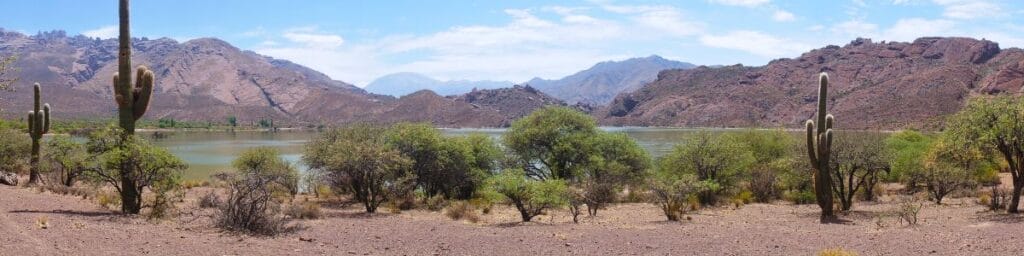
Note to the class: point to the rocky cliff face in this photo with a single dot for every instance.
(208, 79)
(873, 85)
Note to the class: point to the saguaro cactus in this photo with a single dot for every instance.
(38, 124)
(819, 148)
(132, 103)
(132, 100)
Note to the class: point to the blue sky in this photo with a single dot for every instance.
(358, 41)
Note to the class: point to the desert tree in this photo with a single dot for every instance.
(774, 153)
(907, 151)
(128, 163)
(548, 142)
(530, 196)
(68, 159)
(453, 167)
(357, 158)
(718, 161)
(858, 160)
(995, 125)
(615, 161)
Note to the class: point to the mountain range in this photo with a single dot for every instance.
(209, 80)
(875, 85)
(885, 85)
(600, 84)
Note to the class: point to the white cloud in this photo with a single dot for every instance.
(855, 28)
(755, 42)
(782, 15)
(102, 32)
(662, 18)
(313, 39)
(909, 29)
(744, 3)
(969, 9)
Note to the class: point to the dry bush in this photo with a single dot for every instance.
(435, 203)
(307, 210)
(836, 252)
(1000, 199)
(764, 185)
(210, 200)
(108, 199)
(190, 184)
(250, 207)
(907, 209)
(462, 210)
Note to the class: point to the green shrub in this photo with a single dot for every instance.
(673, 193)
(799, 196)
(717, 161)
(531, 197)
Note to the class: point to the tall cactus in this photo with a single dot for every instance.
(38, 124)
(132, 100)
(132, 103)
(819, 148)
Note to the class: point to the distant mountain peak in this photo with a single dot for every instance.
(404, 83)
(599, 84)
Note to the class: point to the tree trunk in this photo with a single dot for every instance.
(131, 197)
(1015, 198)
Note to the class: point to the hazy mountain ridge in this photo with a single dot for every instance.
(599, 84)
(405, 83)
(873, 86)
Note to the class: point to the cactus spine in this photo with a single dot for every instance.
(819, 148)
(38, 124)
(132, 100)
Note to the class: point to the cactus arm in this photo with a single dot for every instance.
(144, 87)
(811, 151)
(31, 117)
(822, 99)
(829, 121)
(46, 118)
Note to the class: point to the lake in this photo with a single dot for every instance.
(207, 152)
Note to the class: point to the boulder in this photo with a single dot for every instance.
(8, 178)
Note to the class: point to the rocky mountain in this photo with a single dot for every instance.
(600, 84)
(401, 84)
(884, 85)
(208, 79)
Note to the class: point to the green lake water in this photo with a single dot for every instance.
(209, 152)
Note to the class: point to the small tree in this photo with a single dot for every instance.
(68, 158)
(550, 142)
(132, 160)
(452, 167)
(615, 160)
(858, 159)
(717, 161)
(530, 196)
(672, 192)
(358, 159)
(233, 121)
(267, 161)
(906, 150)
(948, 167)
(774, 153)
(995, 125)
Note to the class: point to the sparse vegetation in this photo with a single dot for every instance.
(858, 161)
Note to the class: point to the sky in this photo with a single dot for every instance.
(358, 41)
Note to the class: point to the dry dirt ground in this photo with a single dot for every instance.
(77, 226)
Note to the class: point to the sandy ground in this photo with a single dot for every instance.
(78, 226)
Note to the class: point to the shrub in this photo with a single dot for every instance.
(131, 164)
(993, 126)
(14, 150)
(435, 203)
(906, 150)
(907, 209)
(210, 200)
(358, 160)
(108, 199)
(67, 159)
(717, 161)
(549, 142)
(837, 252)
(799, 196)
(858, 161)
(531, 197)
(462, 210)
(307, 210)
(250, 206)
(267, 161)
(673, 191)
(615, 160)
(763, 185)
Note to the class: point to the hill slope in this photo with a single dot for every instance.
(600, 84)
(204, 79)
(873, 85)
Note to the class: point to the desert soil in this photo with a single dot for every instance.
(77, 226)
